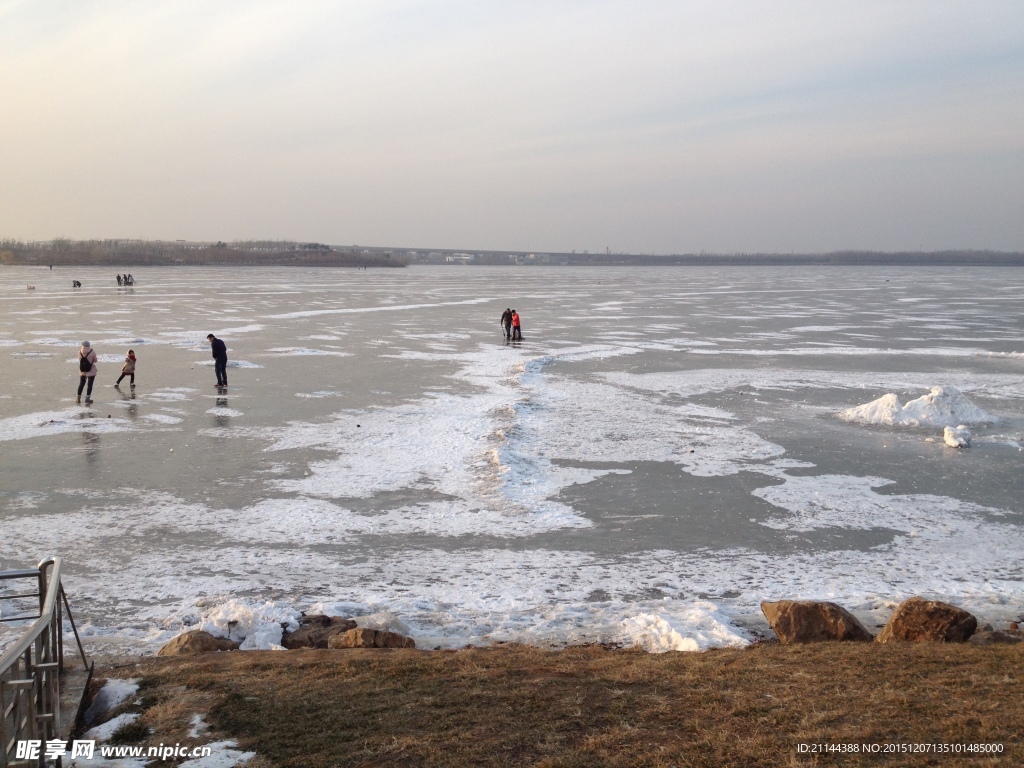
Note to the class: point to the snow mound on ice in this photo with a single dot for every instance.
(957, 437)
(942, 407)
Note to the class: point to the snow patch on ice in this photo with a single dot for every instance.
(305, 351)
(162, 418)
(845, 501)
(223, 411)
(49, 423)
(233, 364)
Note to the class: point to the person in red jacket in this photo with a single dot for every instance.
(517, 328)
(128, 369)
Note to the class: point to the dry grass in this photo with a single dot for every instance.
(515, 706)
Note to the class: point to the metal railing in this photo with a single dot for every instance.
(30, 670)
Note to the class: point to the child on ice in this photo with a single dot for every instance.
(128, 369)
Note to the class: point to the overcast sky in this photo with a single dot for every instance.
(665, 127)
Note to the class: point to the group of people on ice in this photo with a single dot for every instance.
(88, 369)
(126, 279)
(511, 325)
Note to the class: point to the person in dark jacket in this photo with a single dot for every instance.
(506, 323)
(220, 356)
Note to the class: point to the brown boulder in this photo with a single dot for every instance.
(923, 621)
(196, 641)
(806, 621)
(314, 631)
(370, 638)
(997, 637)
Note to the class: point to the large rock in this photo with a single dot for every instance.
(928, 621)
(196, 641)
(314, 631)
(370, 638)
(805, 621)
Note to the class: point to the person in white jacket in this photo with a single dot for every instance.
(87, 367)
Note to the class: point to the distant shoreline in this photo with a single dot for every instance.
(134, 254)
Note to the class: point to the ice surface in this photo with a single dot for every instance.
(451, 508)
(944, 406)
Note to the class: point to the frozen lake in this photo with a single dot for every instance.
(663, 451)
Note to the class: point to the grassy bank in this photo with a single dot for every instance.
(514, 706)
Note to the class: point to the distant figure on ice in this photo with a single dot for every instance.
(75, 284)
(128, 369)
(517, 327)
(220, 356)
(87, 369)
(506, 323)
(129, 279)
(119, 281)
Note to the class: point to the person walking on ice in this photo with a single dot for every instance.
(506, 323)
(517, 328)
(220, 357)
(87, 369)
(128, 369)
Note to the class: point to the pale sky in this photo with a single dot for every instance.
(664, 127)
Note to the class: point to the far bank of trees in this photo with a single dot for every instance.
(135, 253)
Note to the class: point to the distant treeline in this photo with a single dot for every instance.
(848, 258)
(133, 253)
(136, 253)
